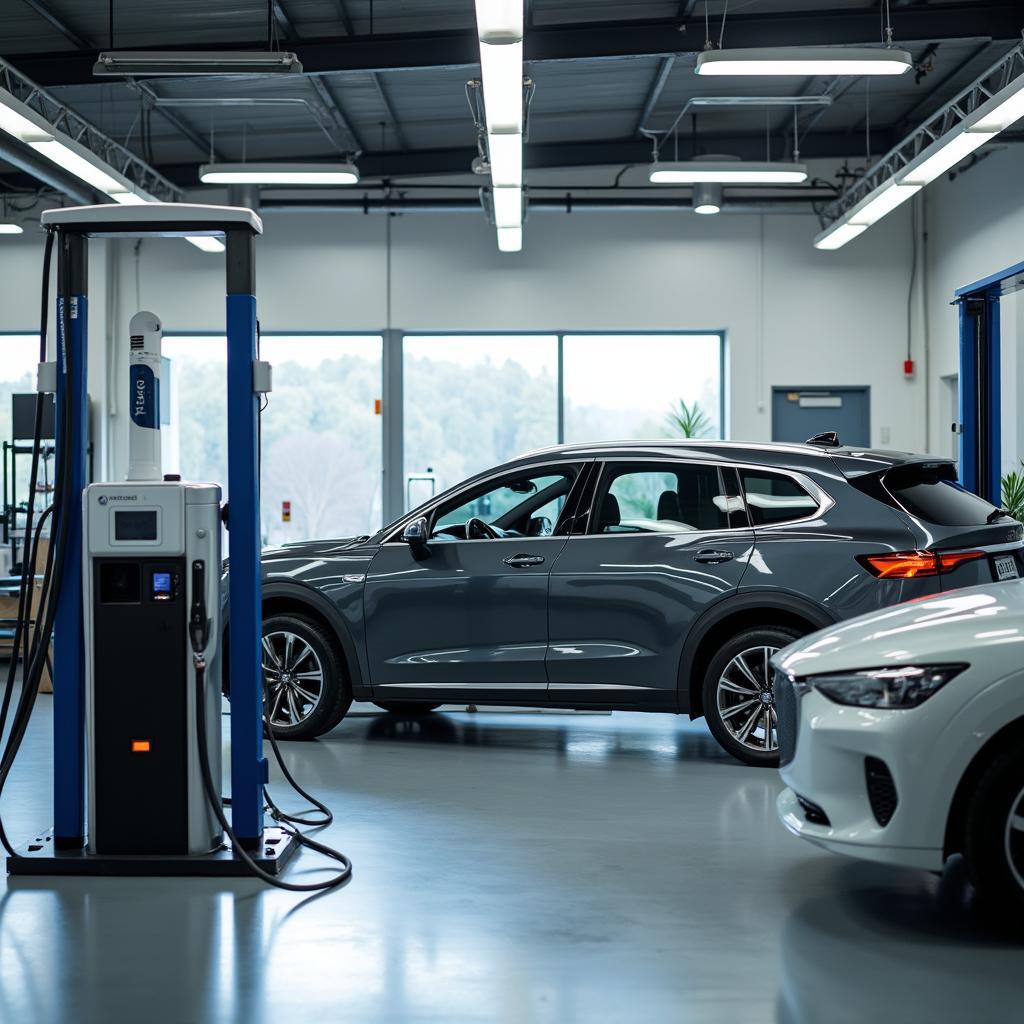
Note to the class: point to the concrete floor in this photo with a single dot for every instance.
(512, 868)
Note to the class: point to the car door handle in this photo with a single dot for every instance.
(712, 557)
(521, 561)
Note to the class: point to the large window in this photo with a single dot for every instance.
(474, 401)
(623, 386)
(321, 436)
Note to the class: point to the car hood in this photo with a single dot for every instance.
(972, 625)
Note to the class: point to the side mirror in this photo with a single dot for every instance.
(539, 526)
(416, 534)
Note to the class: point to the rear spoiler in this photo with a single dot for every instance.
(858, 462)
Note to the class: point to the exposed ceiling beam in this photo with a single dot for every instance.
(343, 17)
(996, 19)
(58, 23)
(602, 153)
(284, 22)
(323, 91)
(654, 92)
(390, 112)
(204, 145)
(686, 9)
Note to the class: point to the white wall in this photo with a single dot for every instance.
(793, 316)
(975, 228)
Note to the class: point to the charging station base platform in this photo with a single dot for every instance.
(41, 857)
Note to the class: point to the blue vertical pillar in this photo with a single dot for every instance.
(980, 394)
(968, 394)
(68, 652)
(992, 487)
(248, 766)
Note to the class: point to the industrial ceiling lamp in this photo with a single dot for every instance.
(805, 61)
(124, 63)
(726, 172)
(707, 198)
(279, 174)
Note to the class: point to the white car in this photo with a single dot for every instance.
(901, 736)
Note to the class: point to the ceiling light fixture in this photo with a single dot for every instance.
(836, 237)
(805, 61)
(11, 229)
(943, 154)
(184, 62)
(707, 198)
(510, 239)
(727, 172)
(500, 31)
(1001, 111)
(279, 174)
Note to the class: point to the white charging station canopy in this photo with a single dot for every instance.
(171, 220)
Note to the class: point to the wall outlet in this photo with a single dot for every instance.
(885, 435)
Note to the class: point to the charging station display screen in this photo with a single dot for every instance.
(135, 525)
(161, 586)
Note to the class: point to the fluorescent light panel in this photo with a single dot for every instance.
(10, 229)
(508, 207)
(499, 21)
(941, 155)
(999, 112)
(804, 61)
(506, 155)
(279, 174)
(187, 62)
(80, 166)
(208, 243)
(727, 172)
(502, 71)
(838, 235)
(880, 202)
(510, 239)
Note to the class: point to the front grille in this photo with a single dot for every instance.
(881, 790)
(812, 812)
(787, 710)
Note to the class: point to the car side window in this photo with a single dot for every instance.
(665, 498)
(774, 498)
(519, 505)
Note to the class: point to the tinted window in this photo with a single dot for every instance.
(509, 503)
(662, 498)
(773, 498)
(931, 493)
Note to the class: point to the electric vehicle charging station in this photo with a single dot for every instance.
(139, 586)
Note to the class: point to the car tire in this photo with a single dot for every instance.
(994, 840)
(406, 708)
(734, 689)
(308, 689)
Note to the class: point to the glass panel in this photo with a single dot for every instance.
(321, 438)
(932, 494)
(473, 402)
(658, 499)
(775, 499)
(622, 386)
(510, 505)
(1011, 409)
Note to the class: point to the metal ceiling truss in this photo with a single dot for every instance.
(122, 160)
(947, 118)
(994, 19)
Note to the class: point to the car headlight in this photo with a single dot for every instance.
(903, 687)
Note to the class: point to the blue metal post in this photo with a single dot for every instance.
(68, 653)
(993, 486)
(248, 766)
(968, 397)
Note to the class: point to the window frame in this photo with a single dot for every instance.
(818, 494)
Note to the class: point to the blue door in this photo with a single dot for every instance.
(800, 413)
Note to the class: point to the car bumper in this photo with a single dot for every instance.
(828, 771)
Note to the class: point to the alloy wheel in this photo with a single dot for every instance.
(293, 678)
(746, 700)
(1014, 838)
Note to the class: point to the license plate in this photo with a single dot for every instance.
(1006, 567)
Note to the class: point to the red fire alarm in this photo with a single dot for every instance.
(908, 367)
(286, 511)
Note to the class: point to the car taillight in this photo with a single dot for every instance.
(906, 565)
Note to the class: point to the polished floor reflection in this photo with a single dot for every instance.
(512, 868)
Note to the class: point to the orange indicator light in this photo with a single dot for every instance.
(140, 746)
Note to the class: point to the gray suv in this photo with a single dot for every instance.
(638, 576)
